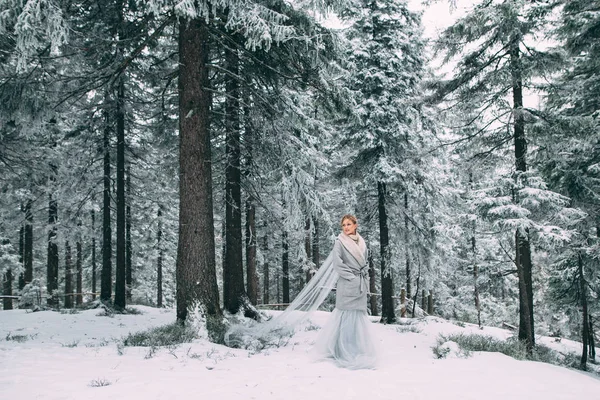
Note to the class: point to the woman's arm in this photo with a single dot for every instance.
(338, 264)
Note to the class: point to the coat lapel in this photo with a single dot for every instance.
(357, 250)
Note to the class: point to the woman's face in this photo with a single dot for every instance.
(349, 227)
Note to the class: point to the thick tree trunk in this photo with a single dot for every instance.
(52, 255)
(68, 277)
(28, 252)
(106, 274)
(266, 283)
(128, 250)
(94, 278)
(234, 292)
(585, 334)
(120, 268)
(387, 284)
(195, 270)
(251, 238)
(523, 260)
(159, 262)
(523, 247)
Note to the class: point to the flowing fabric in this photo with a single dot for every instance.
(300, 309)
(347, 340)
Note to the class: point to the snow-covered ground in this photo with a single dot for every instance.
(70, 356)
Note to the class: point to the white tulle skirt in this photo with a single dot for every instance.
(347, 340)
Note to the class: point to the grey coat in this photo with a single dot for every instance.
(353, 284)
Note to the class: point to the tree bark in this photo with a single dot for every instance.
(68, 277)
(307, 248)
(585, 334)
(476, 281)
(251, 275)
(372, 287)
(406, 249)
(128, 250)
(523, 247)
(266, 283)
(195, 269)
(316, 256)
(285, 268)
(94, 277)
(52, 255)
(28, 253)
(120, 268)
(234, 292)
(106, 274)
(79, 268)
(388, 315)
(7, 280)
(159, 261)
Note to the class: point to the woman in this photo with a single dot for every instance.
(347, 338)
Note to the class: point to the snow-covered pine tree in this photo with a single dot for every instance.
(379, 142)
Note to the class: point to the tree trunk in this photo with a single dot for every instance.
(266, 282)
(120, 268)
(128, 250)
(234, 292)
(195, 270)
(372, 287)
(406, 248)
(251, 275)
(159, 262)
(251, 238)
(28, 253)
(584, 306)
(68, 277)
(21, 250)
(52, 255)
(476, 282)
(316, 256)
(523, 248)
(94, 278)
(79, 268)
(106, 274)
(7, 280)
(525, 325)
(307, 248)
(387, 285)
(592, 341)
(285, 268)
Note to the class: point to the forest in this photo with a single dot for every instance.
(199, 155)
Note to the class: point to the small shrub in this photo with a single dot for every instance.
(99, 382)
(511, 347)
(17, 338)
(407, 328)
(70, 345)
(165, 335)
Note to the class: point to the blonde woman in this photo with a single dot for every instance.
(347, 338)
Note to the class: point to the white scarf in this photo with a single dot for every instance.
(358, 249)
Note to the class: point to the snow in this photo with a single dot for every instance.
(67, 356)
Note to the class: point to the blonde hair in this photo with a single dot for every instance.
(350, 217)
